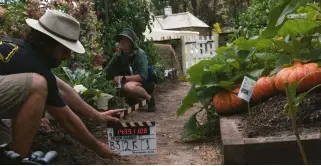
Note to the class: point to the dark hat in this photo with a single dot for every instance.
(130, 34)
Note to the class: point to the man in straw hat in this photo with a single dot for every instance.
(27, 85)
(130, 65)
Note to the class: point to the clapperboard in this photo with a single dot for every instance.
(132, 138)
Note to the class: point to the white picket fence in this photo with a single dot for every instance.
(195, 49)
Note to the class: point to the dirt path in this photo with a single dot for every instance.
(171, 150)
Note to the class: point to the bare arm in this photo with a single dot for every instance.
(75, 127)
(135, 78)
(74, 101)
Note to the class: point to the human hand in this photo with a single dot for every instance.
(108, 115)
(45, 125)
(116, 80)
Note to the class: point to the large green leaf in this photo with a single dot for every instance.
(214, 68)
(222, 84)
(283, 46)
(277, 16)
(264, 44)
(243, 44)
(243, 55)
(222, 49)
(290, 7)
(234, 63)
(188, 101)
(315, 54)
(207, 92)
(282, 61)
(269, 33)
(296, 45)
(295, 27)
(265, 56)
(197, 71)
(311, 11)
(191, 126)
(271, 30)
(256, 73)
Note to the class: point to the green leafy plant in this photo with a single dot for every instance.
(292, 32)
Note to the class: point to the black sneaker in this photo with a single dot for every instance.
(151, 104)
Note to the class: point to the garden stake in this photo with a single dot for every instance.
(293, 119)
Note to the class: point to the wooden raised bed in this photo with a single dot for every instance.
(237, 149)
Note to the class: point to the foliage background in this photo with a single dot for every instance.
(100, 22)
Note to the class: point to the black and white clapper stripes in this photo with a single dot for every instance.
(132, 109)
(133, 124)
(127, 112)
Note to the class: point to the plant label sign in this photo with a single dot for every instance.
(133, 138)
(246, 89)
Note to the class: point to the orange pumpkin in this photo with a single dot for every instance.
(227, 101)
(264, 88)
(295, 73)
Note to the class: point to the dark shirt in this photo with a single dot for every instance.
(119, 65)
(18, 57)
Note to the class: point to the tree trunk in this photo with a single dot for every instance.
(106, 11)
(175, 6)
(184, 5)
(214, 11)
(248, 3)
(194, 6)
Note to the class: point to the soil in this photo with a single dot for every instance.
(269, 119)
(170, 147)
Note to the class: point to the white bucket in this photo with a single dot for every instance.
(102, 101)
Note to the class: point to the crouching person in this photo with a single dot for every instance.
(27, 85)
(130, 65)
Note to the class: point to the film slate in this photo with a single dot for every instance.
(132, 138)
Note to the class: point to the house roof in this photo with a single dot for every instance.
(178, 20)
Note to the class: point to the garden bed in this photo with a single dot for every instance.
(265, 136)
(269, 119)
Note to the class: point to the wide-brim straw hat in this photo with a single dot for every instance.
(60, 26)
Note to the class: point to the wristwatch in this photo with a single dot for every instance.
(123, 80)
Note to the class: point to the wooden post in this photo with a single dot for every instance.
(183, 54)
(106, 5)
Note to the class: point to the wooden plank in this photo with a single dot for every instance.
(189, 53)
(208, 48)
(213, 46)
(239, 150)
(197, 51)
(183, 54)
